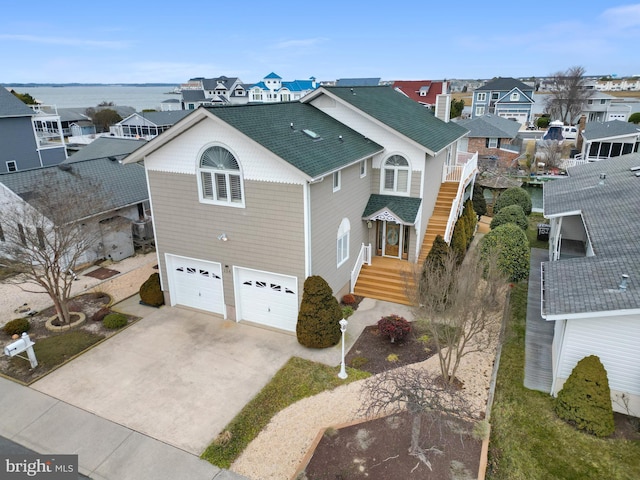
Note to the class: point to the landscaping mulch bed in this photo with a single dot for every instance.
(72, 341)
(102, 273)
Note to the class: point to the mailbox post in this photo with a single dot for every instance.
(23, 344)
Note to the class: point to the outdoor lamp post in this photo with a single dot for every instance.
(343, 328)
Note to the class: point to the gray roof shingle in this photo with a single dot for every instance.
(490, 126)
(504, 84)
(611, 215)
(103, 147)
(614, 128)
(12, 106)
(405, 208)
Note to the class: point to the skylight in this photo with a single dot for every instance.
(311, 134)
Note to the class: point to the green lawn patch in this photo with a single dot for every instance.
(57, 349)
(532, 232)
(528, 441)
(296, 380)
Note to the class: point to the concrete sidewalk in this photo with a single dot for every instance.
(105, 449)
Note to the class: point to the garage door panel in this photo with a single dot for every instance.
(267, 298)
(196, 283)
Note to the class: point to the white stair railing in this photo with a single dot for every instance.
(364, 256)
(462, 174)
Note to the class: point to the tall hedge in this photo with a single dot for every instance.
(471, 218)
(459, 240)
(320, 314)
(511, 214)
(514, 196)
(509, 246)
(479, 202)
(585, 398)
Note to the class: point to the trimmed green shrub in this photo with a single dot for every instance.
(17, 326)
(514, 196)
(634, 117)
(479, 202)
(585, 398)
(394, 327)
(113, 321)
(319, 316)
(150, 291)
(509, 247)
(543, 122)
(459, 241)
(511, 214)
(438, 253)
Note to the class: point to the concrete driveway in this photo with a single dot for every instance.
(180, 376)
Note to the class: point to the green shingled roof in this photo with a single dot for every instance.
(405, 208)
(330, 146)
(401, 114)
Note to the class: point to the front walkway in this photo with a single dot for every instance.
(539, 332)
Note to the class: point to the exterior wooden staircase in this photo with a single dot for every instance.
(388, 279)
(438, 222)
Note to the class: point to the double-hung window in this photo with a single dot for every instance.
(220, 178)
(396, 175)
(482, 97)
(343, 241)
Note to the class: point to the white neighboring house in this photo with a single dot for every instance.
(591, 283)
(602, 140)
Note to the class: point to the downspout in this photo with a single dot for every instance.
(306, 198)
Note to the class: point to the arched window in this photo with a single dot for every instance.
(396, 174)
(343, 241)
(220, 177)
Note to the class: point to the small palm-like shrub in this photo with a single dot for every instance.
(17, 326)
(510, 214)
(508, 246)
(585, 398)
(319, 316)
(514, 196)
(150, 291)
(113, 321)
(394, 327)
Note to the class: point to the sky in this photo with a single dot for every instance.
(171, 42)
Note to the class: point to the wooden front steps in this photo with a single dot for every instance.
(387, 279)
(438, 222)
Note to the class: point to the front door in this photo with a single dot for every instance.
(392, 240)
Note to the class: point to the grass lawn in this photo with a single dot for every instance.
(296, 380)
(528, 441)
(55, 350)
(532, 232)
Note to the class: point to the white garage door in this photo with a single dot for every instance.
(195, 283)
(267, 298)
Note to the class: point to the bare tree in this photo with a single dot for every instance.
(47, 233)
(458, 307)
(567, 95)
(549, 152)
(421, 393)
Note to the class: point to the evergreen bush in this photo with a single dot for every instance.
(634, 117)
(543, 122)
(319, 316)
(438, 253)
(459, 240)
(585, 398)
(471, 220)
(113, 321)
(514, 196)
(509, 246)
(479, 202)
(150, 291)
(394, 327)
(511, 214)
(17, 326)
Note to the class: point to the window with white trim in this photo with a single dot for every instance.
(482, 97)
(493, 143)
(515, 96)
(396, 174)
(363, 168)
(12, 166)
(343, 241)
(336, 181)
(479, 111)
(219, 178)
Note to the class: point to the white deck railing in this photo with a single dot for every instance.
(466, 166)
(363, 257)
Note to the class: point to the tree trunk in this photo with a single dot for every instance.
(414, 449)
(62, 310)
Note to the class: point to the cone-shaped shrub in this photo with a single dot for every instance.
(459, 241)
(320, 314)
(438, 253)
(472, 220)
(510, 214)
(479, 202)
(150, 291)
(585, 398)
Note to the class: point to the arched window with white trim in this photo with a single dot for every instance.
(220, 178)
(343, 241)
(396, 175)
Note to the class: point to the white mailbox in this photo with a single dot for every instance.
(23, 344)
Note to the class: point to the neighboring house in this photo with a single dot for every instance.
(75, 122)
(170, 105)
(29, 138)
(248, 201)
(119, 192)
(146, 124)
(105, 147)
(504, 97)
(609, 139)
(273, 89)
(600, 107)
(358, 82)
(492, 135)
(591, 281)
(424, 92)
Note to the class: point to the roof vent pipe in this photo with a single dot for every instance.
(623, 284)
(603, 176)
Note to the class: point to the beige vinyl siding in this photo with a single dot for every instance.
(328, 208)
(432, 182)
(266, 235)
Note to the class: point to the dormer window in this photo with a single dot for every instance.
(220, 178)
(515, 96)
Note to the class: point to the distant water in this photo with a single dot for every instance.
(140, 98)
